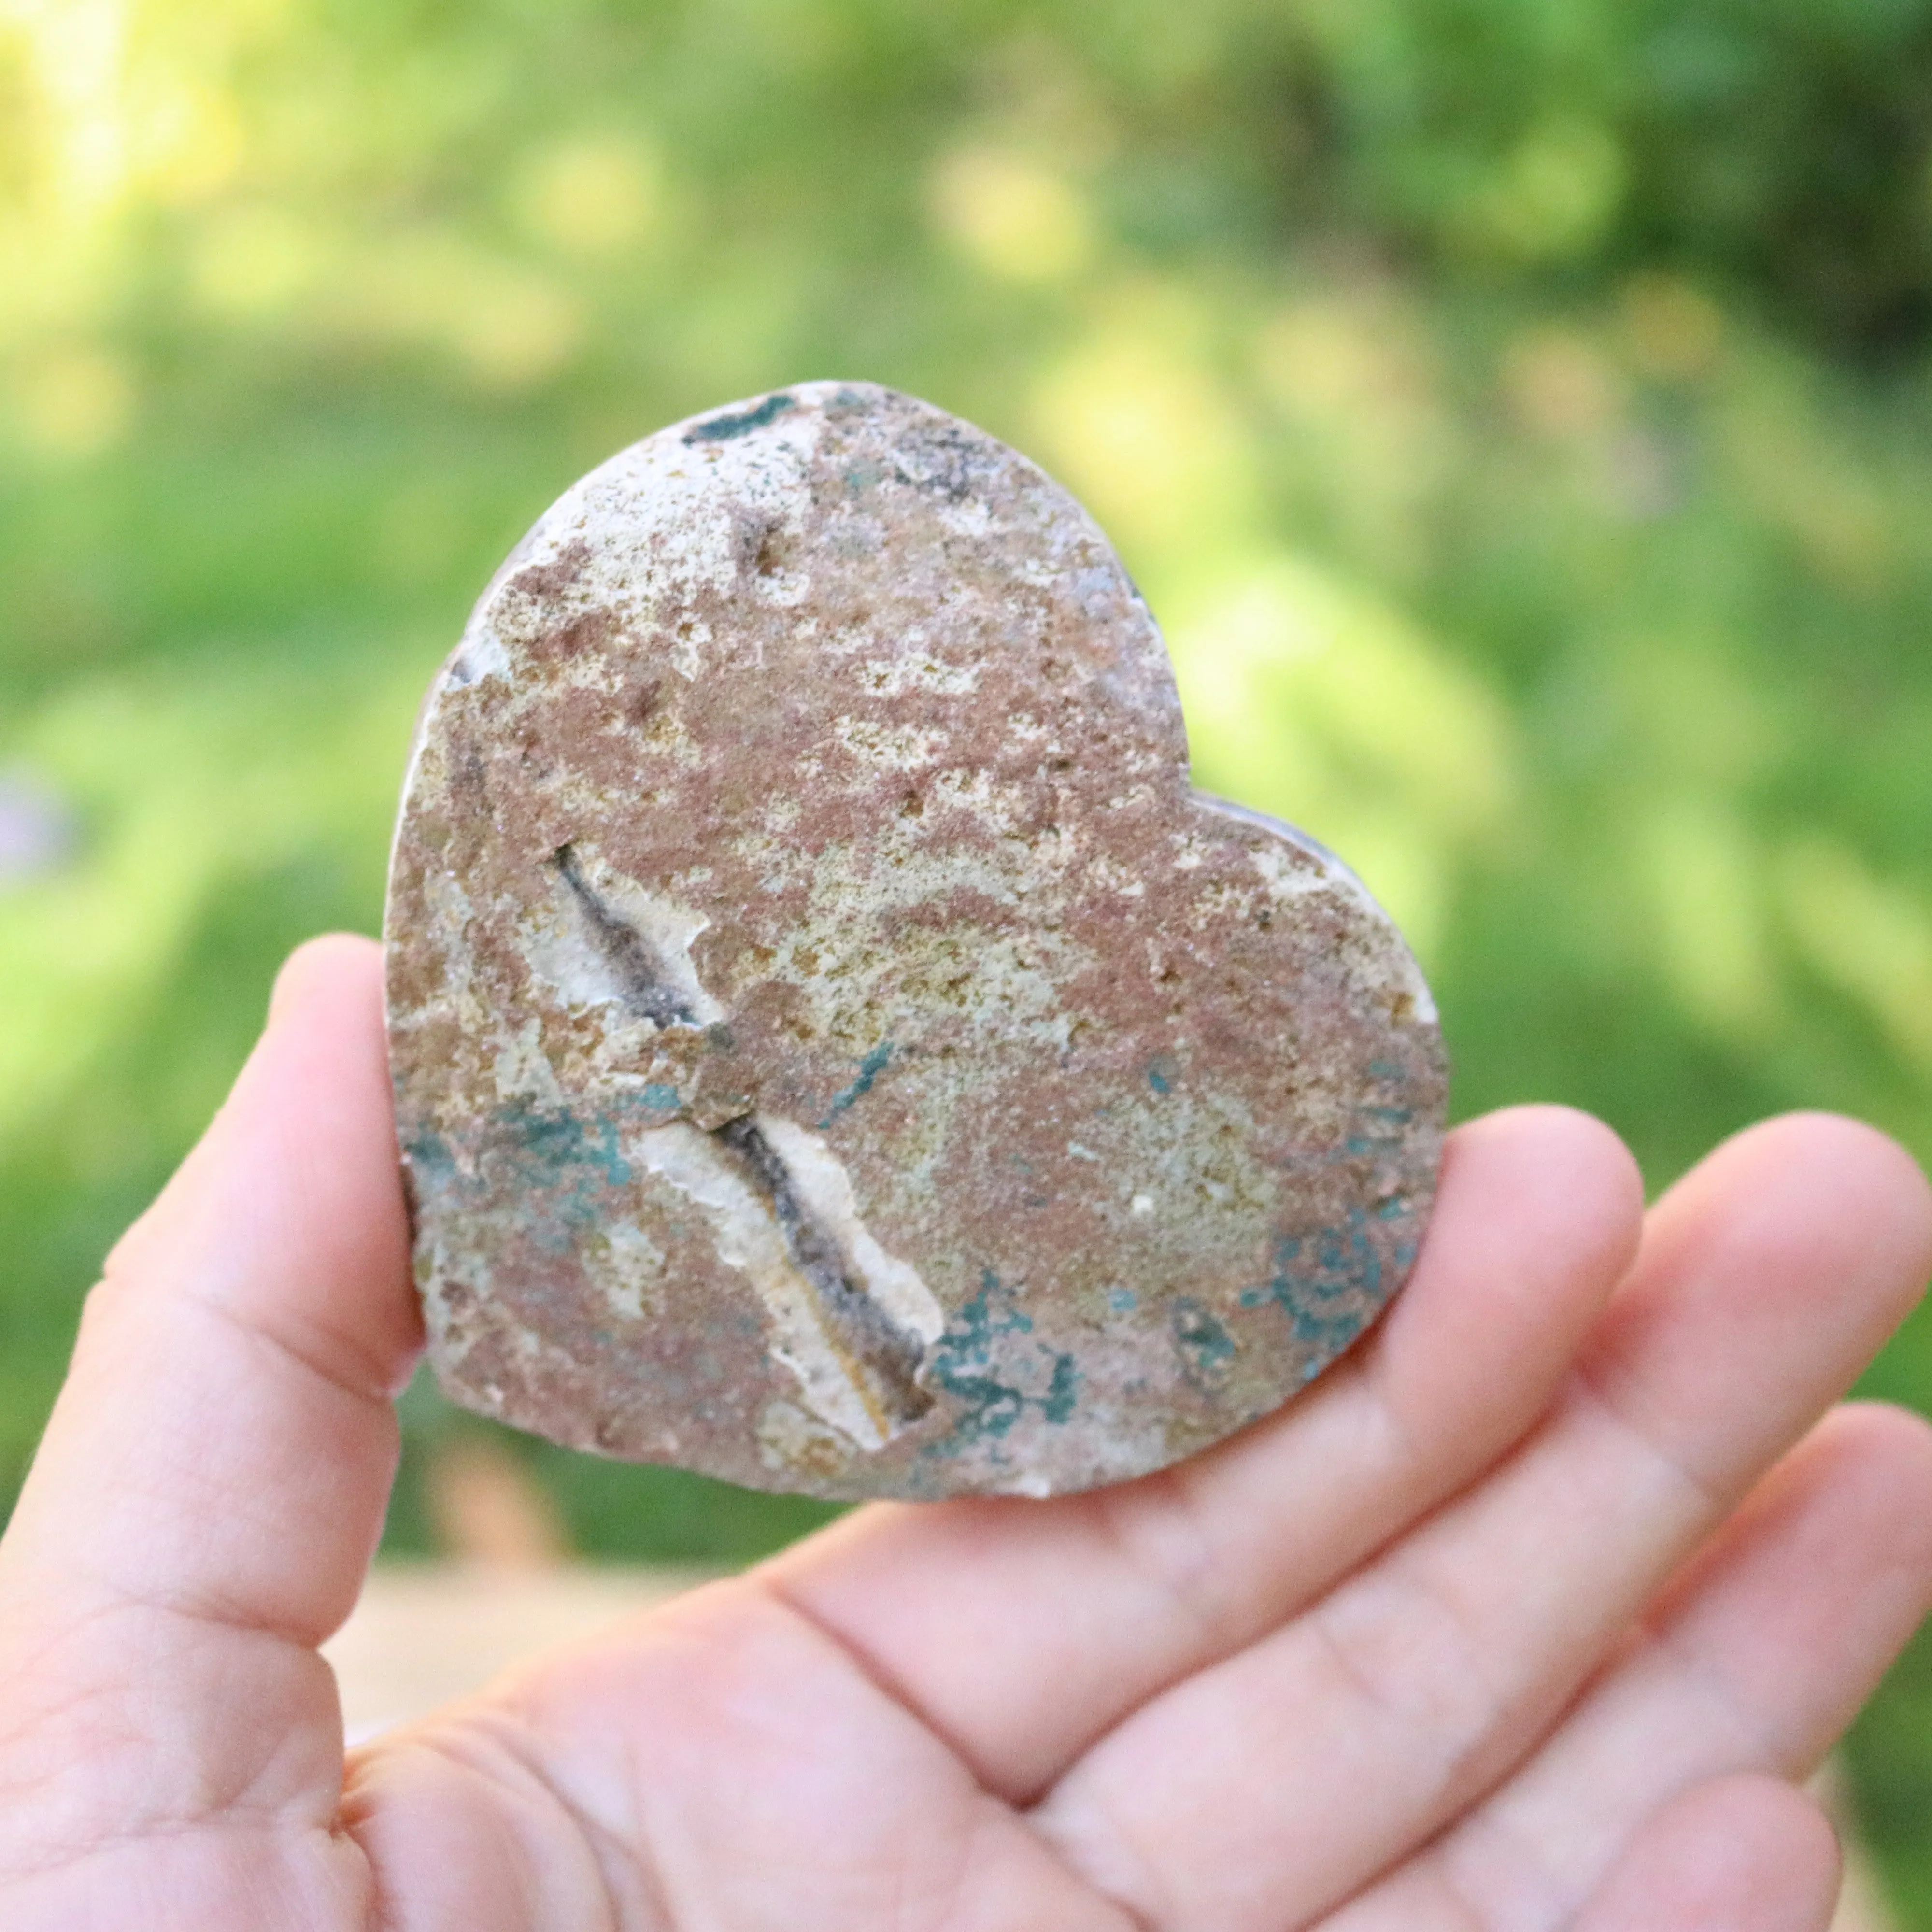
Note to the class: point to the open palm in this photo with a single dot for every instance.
(1519, 1619)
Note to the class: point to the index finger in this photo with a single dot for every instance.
(1022, 1630)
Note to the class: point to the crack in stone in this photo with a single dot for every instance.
(779, 1199)
(631, 957)
(885, 1357)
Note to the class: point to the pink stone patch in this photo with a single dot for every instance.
(834, 1048)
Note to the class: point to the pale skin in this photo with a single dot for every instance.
(1526, 1616)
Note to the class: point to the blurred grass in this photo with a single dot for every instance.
(1518, 414)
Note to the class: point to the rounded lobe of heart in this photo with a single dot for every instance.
(834, 1048)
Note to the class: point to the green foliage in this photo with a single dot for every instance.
(1783, 145)
(1516, 410)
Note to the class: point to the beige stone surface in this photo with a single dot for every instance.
(835, 1048)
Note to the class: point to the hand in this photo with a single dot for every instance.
(1518, 1619)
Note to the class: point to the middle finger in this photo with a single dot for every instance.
(1766, 1281)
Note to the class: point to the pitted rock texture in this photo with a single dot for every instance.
(834, 1048)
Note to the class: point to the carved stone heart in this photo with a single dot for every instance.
(834, 1048)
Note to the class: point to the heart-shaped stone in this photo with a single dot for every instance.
(834, 1048)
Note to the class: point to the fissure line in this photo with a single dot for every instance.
(882, 1358)
(630, 956)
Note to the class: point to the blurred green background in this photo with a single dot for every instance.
(1517, 411)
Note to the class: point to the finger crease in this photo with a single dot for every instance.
(373, 1393)
(501, 1755)
(1586, 1393)
(1154, 1529)
(774, 1591)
